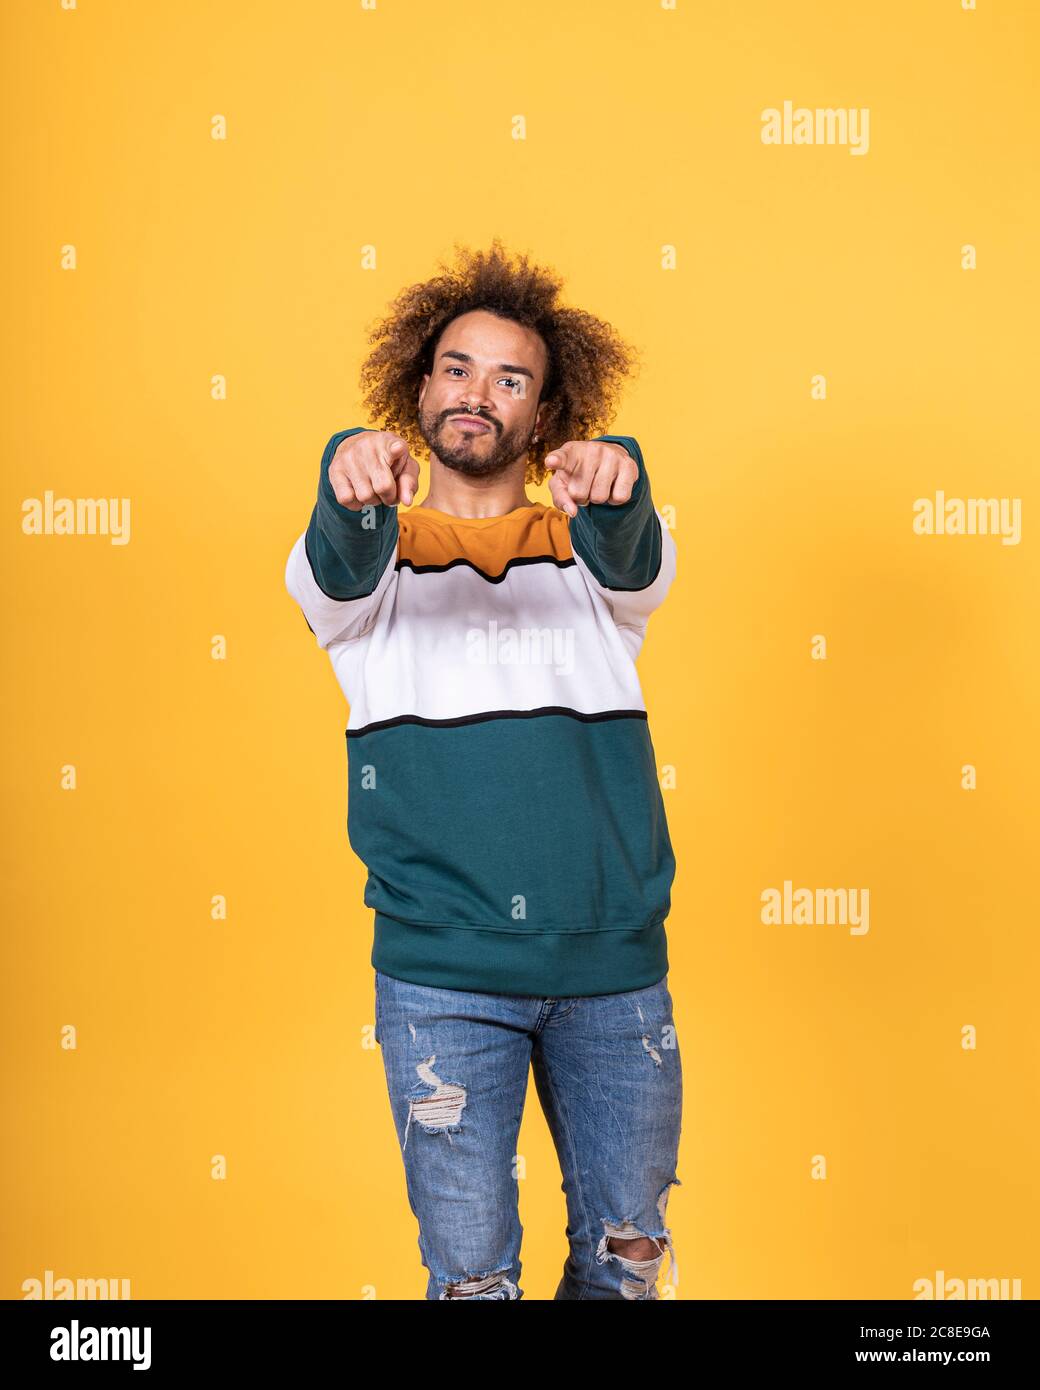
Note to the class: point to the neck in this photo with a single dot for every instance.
(457, 495)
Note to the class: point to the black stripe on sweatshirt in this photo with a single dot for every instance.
(539, 713)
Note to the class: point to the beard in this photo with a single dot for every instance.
(475, 455)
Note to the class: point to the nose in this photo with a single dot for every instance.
(474, 396)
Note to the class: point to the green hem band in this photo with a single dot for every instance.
(548, 965)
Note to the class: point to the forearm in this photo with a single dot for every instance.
(348, 550)
(621, 544)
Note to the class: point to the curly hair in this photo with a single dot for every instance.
(588, 361)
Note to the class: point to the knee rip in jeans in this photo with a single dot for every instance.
(437, 1111)
(494, 1285)
(625, 1242)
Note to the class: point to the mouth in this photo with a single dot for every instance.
(470, 424)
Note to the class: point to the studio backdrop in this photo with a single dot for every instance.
(819, 225)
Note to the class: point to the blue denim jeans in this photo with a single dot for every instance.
(609, 1079)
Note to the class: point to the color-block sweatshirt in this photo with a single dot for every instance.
(502, 785)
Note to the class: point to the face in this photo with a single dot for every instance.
(490, 371)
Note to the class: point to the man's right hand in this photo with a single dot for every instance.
(373, 466)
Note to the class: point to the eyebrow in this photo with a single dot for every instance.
(502, 366)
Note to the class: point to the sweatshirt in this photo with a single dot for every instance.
(502, 783)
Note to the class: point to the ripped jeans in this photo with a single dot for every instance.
(609, 1079)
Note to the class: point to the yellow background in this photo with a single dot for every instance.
(393, 128)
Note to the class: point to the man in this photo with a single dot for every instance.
(503, 788)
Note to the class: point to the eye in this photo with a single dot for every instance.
(513, 383)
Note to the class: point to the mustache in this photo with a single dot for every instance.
(470, 415)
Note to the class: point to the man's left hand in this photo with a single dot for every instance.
(590, 470)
